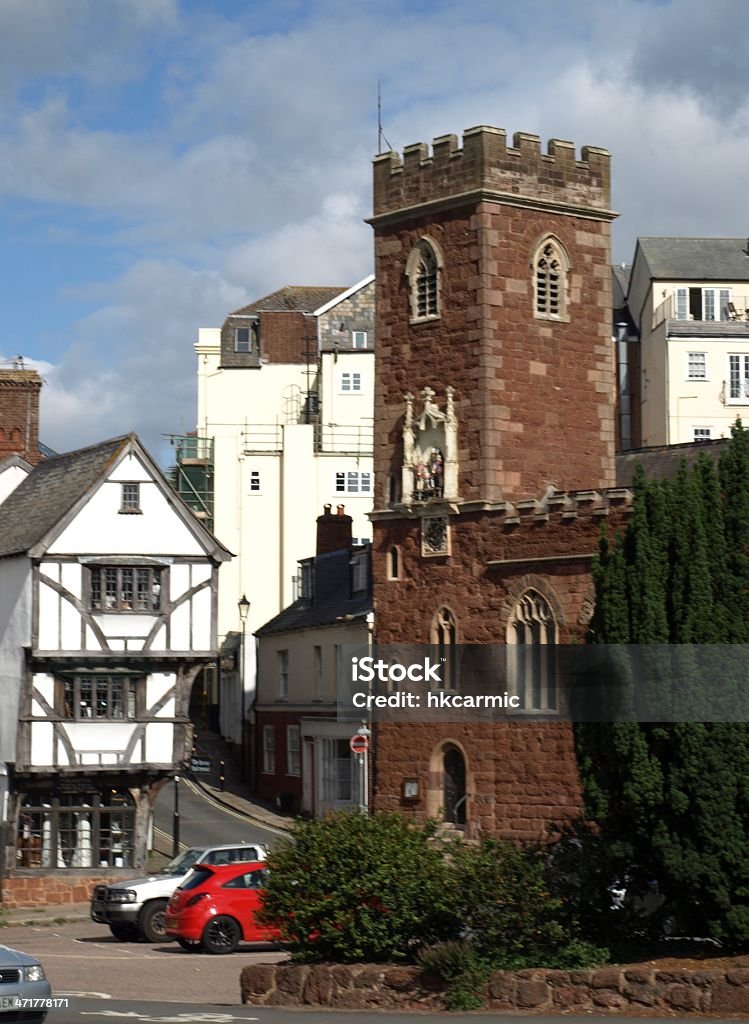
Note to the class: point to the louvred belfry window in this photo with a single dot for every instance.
(426, 285)
(550, 280)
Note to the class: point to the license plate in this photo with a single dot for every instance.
(9, 1002)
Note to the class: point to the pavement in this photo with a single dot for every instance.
(259, 812)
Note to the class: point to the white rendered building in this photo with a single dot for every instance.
(285, 400)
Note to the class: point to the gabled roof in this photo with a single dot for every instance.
(332, 303)
(332, 600)
(695, 259)
(292, 298)
(35, 512)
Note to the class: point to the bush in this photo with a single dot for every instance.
(509, 913)
(466, 974)
(351, 888)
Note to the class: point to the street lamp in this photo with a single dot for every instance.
(244, 610)
(175, 819)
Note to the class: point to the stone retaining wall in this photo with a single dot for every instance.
(20, 891)
(604, 990)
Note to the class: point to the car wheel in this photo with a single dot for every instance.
(188, 944)
(151, 924)
(221, 935)
(124, 932)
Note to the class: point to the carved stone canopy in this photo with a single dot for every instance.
(430, 465)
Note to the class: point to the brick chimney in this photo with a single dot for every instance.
(333, 531)
(19, 414)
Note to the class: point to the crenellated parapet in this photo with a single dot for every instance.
(485, 163)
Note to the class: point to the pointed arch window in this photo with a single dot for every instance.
(444, 640)
(550, 271)
(423, 271)
(532, 637)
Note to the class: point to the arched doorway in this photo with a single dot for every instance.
(454, 786)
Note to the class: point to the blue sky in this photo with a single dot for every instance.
(165, 161)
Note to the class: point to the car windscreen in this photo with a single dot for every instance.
(181, 864)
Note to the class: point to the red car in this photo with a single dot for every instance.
(214, 908)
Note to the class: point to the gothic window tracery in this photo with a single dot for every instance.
(423, 272)
(532, 639)
(550, 280)
(444, 639)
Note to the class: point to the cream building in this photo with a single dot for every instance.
(285, 399)
(689, 298)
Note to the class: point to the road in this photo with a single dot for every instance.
(203, 821)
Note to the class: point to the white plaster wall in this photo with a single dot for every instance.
(699, 403)
(10, 478)
(70, 618)
(157, 684)
(44, 684)
(100, 736)
(41, 743)
(100, 527)
(201, 621)
(159, 740)
(49, 611)
(180, 628)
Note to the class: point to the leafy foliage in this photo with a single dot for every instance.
(354, 888)
(672, 797)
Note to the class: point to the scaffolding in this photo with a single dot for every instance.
(192, 474)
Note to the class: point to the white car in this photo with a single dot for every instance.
(24, 989)
(135, 909)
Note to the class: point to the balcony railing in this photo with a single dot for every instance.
(725, 307)
(329, 438)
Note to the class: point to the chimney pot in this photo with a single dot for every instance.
(340, 509)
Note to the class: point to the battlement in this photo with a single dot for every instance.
(486, 163)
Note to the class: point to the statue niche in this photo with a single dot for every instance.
(430, 466)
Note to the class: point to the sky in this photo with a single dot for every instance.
(163, 162)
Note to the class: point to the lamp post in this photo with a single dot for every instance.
(175, 819)
(244, 609)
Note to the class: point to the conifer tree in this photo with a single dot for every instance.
(671, 797)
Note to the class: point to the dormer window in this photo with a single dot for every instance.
(307, 574)
(423, 270)
(246, 338)
(360, 572)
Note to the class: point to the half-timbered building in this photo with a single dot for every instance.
(107, 615)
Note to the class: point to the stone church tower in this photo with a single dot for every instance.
(494, 454)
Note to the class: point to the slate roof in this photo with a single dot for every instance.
(621, 274)
(292, 298)
(696, 259)
(44, 497)
(332, 599)
(665, 460)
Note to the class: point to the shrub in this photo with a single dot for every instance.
(350, 888)
(466, 974)
(509, 913)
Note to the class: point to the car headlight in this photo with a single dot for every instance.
(34, 973)
(123, 896)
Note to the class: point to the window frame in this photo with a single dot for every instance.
(269, 749)
(254, 477)
(249, 346)
(350, 382)
(359, 340)
(75, 692)
(533, 612)
(364, 482)
(106, 821)
(283, 674)
(294, 763)
(742, 397)
(691, 365)
(130, 498)
(708, 436)
(551, 292)
(105, 582)
(424, 270)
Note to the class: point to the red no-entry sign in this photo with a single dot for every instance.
(358, 743)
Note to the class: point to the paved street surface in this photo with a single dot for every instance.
(83, 957)
(203, 821)
(87, 1011)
